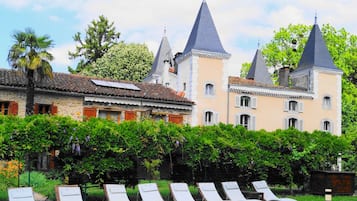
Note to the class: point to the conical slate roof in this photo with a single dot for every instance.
(258, 70)
(164, 54)
(204, 36)
(316, 53)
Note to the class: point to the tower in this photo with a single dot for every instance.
(202, 71)
(316, 73)
(162, 70)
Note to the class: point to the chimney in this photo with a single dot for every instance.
(284, 76)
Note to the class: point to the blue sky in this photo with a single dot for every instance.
(240, 23)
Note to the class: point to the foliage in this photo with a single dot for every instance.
(29, 54)
(37, 179)
(100, 37)
(342, 46)
(123, 62)
(9, 172)
(106, 151)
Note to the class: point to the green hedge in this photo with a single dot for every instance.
(100, 148)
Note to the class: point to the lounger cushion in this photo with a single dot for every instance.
(180, 187)
(21, 193)
(148, 188)
(207, 188)
(230, 185)
(117, 189)
(70, 191)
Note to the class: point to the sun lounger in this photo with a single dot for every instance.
(209, 192)
(68, 193)
(180, 192)
(115, 192)
(20, 194)
(149, 192)
(262, 187)
(233, 192)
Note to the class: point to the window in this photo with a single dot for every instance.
(293, 122)
(246, 120)
(209, 89)
(210, 118)
(158, 117)
(109, 115)
(293, 106)
(326, 103)
(326, 125)
(4, 108)
(245, 101)
(44, 109)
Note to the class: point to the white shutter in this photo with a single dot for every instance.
(237, 100)
(301, 125)
(204, 118)
(322, 125)
(237, 119)
(215, 118)
(252, 123)
(331, 127)
(286, 123)
(253, 103)
(286, 106)
(301, 107)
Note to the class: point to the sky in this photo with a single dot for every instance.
(241, 24)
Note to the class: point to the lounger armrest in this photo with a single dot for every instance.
(253, 195)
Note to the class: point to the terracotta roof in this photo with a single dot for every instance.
(83, 85)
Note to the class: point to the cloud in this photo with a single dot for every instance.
(61, 60)
(18, 4)
(54, 18)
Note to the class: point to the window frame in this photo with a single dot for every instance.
(209, 89)
(4, 107)
(327, 102)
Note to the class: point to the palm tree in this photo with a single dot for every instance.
(29, 55)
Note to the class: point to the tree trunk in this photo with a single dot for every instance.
(30, 92)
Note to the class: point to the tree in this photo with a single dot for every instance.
(343, 49)
(123, 62)
(100, 37)
(29, 55)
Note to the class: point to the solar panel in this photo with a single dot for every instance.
(119, 85)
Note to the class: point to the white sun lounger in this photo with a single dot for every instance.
(68, 193)
(181, 192)
(233, 192)
(209, 192)
(20, 194)
(115, 192)
(262, 187)
(149, 192)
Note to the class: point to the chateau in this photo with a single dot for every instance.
(311, 102)
(194, 87)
